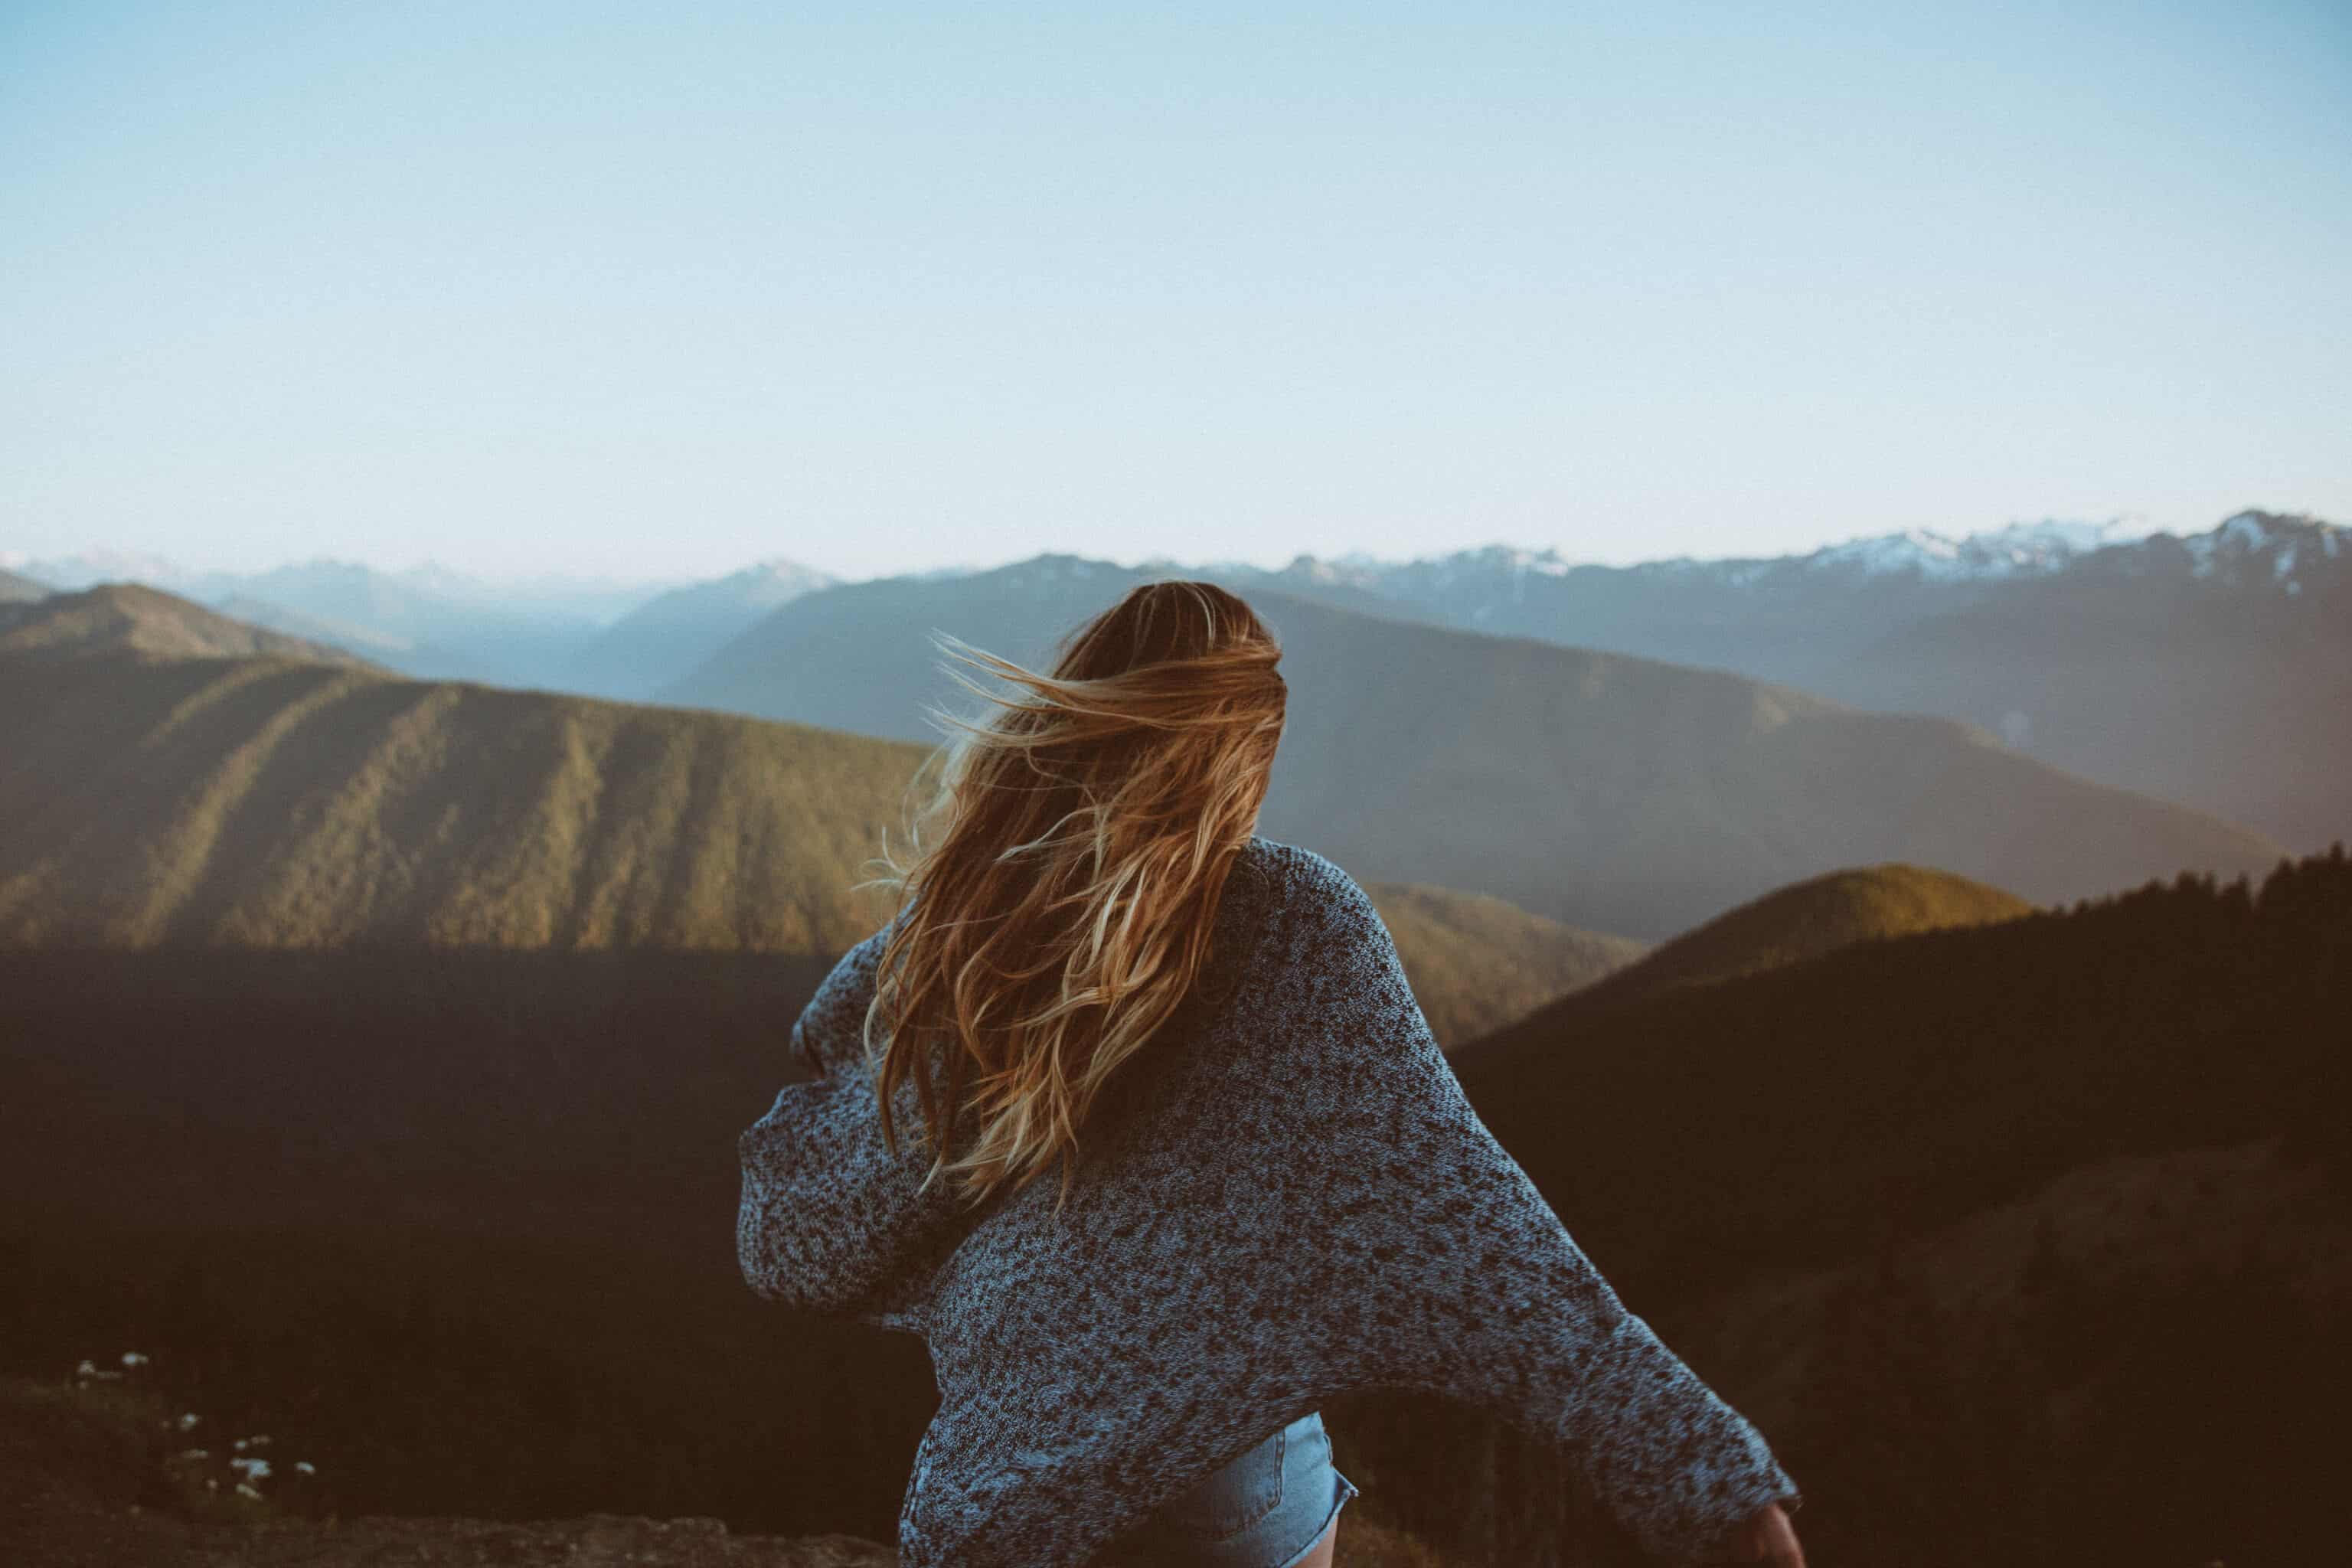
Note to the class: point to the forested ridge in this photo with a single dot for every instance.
(463, 1227)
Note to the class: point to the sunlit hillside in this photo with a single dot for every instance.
(122, 617)
(1810, 919)
(280, 803)
(16, 588)
(284, 803)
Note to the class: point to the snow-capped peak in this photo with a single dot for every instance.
(1913, 550)
(2262, 546)
(2020, 549)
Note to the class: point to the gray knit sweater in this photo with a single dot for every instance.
(1283, 1198)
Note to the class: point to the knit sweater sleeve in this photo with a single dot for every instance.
(1483, 1295)
(831, 1218)
(829, 1033)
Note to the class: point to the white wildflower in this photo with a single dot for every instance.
(247, 1492)
(190, 1419)
(304, 1467)
(132, 1357)
(252, 1470)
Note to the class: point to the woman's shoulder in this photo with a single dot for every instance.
(1308, 884)
(1315, 918)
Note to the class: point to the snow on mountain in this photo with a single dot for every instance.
(1914, 550)
(2281, 550)
(1472, 586)
(1354, 570)
(2250, 548)
(2054, 533)
(2021, 549)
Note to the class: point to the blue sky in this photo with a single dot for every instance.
(658, 291)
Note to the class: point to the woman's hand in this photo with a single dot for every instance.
(1767, 1536)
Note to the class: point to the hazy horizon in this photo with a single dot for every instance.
(642, 296)
(139, 566)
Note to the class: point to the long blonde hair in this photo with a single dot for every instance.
(1063, 914)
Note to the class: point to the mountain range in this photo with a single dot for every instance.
(1610, 793)
(378, 1047)
(426, 621)
(125, 618)
(2213, 669)
(177, 778)
(677, 631)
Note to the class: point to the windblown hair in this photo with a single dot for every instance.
(1064, 913)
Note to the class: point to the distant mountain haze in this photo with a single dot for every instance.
(427, 621)
(1608, 792)
(667, 636)
(2222, 691)
(17, 590)
(435, 634)
(374, 644)
(125, 618)
(2215, 669)
(548, 594)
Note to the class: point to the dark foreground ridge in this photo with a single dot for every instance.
(93, 1477)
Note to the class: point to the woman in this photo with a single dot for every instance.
(1269, 1190)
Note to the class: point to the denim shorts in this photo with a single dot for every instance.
(1267, 1509)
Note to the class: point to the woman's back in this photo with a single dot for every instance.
(1284, 1200)
(1272, 1193)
